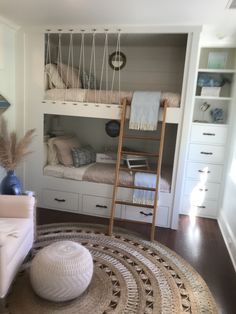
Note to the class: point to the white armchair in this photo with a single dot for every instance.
(16, 236)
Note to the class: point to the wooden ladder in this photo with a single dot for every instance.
(121, 152)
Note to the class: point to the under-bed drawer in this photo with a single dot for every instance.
(145, 215)
(99, 206)
(60, 200)
(205, 209)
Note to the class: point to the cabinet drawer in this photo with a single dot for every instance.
(207, 172)
(99, 206)
(209, 134)
(205, 209)
(200, 191)
(145, 215)
(206, 153)
(60, 200)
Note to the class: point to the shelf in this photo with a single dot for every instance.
(213, 97)
(228, 71)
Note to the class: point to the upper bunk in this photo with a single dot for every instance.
(88, 74)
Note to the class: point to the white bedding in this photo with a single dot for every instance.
(105, 97)
(104, 173)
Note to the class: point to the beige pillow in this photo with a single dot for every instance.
(69, 75)
(52, 152)
(54, 78)
(64, 146)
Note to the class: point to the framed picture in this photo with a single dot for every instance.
(117, 60)
(217, 60)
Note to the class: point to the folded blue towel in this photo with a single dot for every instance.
(144, 111)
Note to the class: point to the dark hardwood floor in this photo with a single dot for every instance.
(199, 243)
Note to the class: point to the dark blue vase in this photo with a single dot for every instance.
(11, 185)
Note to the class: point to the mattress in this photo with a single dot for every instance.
(104, 173)
(105, 97)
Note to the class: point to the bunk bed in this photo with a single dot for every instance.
(84, 190)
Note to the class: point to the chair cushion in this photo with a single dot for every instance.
(12, 233)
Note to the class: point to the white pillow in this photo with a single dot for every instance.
(54, 78)
(69, 75)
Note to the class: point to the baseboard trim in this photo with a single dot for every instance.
(228, 237)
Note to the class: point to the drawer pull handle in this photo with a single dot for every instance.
(148, 214)
(61, 200)
(205, 190)
(209, 134)
(202, 171)
(206, 153)
(101, 206)
(201, 206)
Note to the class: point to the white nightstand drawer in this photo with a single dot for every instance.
(208, 172)
(145, 214)
(209, 134)
(205, 209)
(206, 153)
(200, 191)
(60, 200)
(99, 206)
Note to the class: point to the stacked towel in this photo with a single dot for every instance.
(144, 111)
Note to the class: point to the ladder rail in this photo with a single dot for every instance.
(119, 155)
(158, 173)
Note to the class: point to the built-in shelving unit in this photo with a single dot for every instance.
(206, 149)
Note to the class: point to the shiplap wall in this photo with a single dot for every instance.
(149, 67)
(92, 131)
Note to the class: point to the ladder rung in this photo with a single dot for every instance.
(138, 170)
(148, 138)
(134, 204)
(124, 152)
(136, 187)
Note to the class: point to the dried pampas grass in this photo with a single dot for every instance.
(12, 150)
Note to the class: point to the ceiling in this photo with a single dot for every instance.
(218, 21)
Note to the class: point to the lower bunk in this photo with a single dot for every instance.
(94, 196)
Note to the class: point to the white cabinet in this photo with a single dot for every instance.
(204, 170)
(60, 200)
(99, 206)
(208, 139)
(145, 214)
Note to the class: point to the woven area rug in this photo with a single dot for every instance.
(131, 275)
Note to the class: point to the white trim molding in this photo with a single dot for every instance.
(228, 237)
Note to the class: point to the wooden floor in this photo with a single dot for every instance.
(199, 243)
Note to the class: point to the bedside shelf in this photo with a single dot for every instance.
(228, 71)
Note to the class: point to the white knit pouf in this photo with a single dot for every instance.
(61, 271)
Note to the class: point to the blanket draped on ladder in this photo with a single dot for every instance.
(144, 111)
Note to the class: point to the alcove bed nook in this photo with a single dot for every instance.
(154, 62)
(82, 93)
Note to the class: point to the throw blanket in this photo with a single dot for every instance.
(144, 111)
(147, 180)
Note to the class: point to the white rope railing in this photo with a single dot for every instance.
(107, 81)
(104, 58)
(117, 52)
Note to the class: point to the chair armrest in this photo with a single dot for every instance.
(17, 206)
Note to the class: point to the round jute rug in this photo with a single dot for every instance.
(131, 275)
